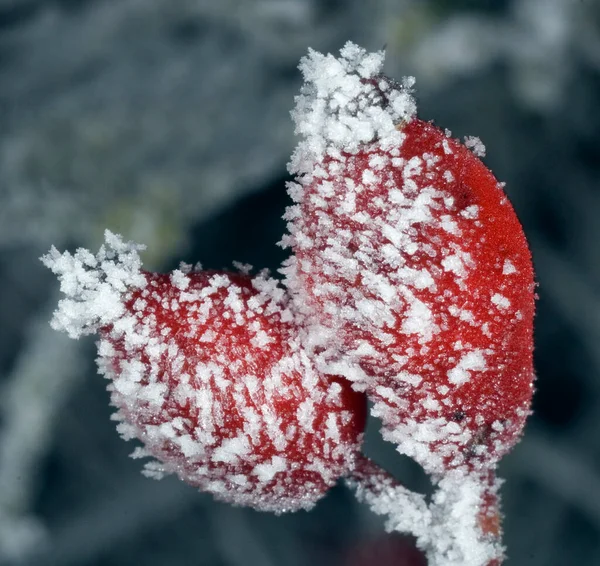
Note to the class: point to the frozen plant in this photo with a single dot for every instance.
(410, 281)
(78, 152)
(207, 371)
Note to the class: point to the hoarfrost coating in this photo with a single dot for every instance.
(447, 529)
(415, 282)
(205, 370)
(410, 277)
(341, 105)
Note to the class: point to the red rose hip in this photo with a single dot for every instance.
(206, 370)
(410, 268)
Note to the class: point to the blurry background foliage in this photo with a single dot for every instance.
(168, 121)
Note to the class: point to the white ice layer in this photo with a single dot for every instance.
(206, 371)
(94, 284)
(340, 106)
(447, 530)
(362, 213)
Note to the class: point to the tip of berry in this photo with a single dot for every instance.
(346, 102)
(94, 285)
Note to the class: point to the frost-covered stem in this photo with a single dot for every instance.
(370, 479)
(406, 511)
(466, 520)
(461, 525)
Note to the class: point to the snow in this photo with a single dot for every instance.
(508, 268)
(180, 280)
(418, 320)
(231, 450)
(267, 471)
(471, 361)
(500, 301)
(471, 212)
(476, 145)
(93, 285)
(339, 108)
(454, 264)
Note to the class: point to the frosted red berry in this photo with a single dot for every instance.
(206, 370)
(410, 280)
(414, 276)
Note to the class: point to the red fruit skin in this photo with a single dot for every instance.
(222, 395)
(452, 378)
